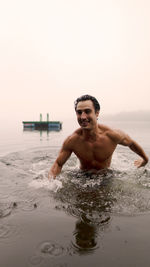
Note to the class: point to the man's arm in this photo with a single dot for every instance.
(135, 147)
(123, 139)
(64, 154)
(139, 150)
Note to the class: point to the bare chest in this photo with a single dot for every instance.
(98, 151)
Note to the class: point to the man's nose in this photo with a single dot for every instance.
(83, 115)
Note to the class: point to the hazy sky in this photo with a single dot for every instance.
(52, 51)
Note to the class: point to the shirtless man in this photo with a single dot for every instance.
(94, 143)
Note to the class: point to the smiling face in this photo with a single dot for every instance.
(86, 115)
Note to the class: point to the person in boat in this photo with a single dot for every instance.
(93, 143)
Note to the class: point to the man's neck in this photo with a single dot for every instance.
(90, 134)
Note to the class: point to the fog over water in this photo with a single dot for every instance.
(54, 51)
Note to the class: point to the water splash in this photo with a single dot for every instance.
(114, 192)
(52, 185)
(122, 189)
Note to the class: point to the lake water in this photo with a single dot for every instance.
(79, 219)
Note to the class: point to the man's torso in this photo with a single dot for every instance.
(93, 154)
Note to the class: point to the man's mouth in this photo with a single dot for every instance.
(84, 122)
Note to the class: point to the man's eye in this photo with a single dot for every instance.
(79, 112)
(87, 111)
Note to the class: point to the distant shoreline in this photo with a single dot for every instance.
(128, 116)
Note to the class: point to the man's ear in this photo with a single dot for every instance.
(97, 113)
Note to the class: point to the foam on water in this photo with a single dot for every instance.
(52, 185)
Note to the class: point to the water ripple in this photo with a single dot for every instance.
(5, 209)
(36, 260)
(51, 248)
(8, 232)
(48, 250)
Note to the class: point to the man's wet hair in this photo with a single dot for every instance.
(88, 97)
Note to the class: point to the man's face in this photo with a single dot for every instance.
(86, 116)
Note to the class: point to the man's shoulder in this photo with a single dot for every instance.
(114, 134)
(77, 132)
(72, 137)
(75, 135)
(104, 128)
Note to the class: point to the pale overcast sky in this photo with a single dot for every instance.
(52, 51)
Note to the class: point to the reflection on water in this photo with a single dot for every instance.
(90, 201)
(85, 236)
(43, 131)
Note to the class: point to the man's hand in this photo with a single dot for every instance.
(140, 163)
(51, 176)
(64, 154)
